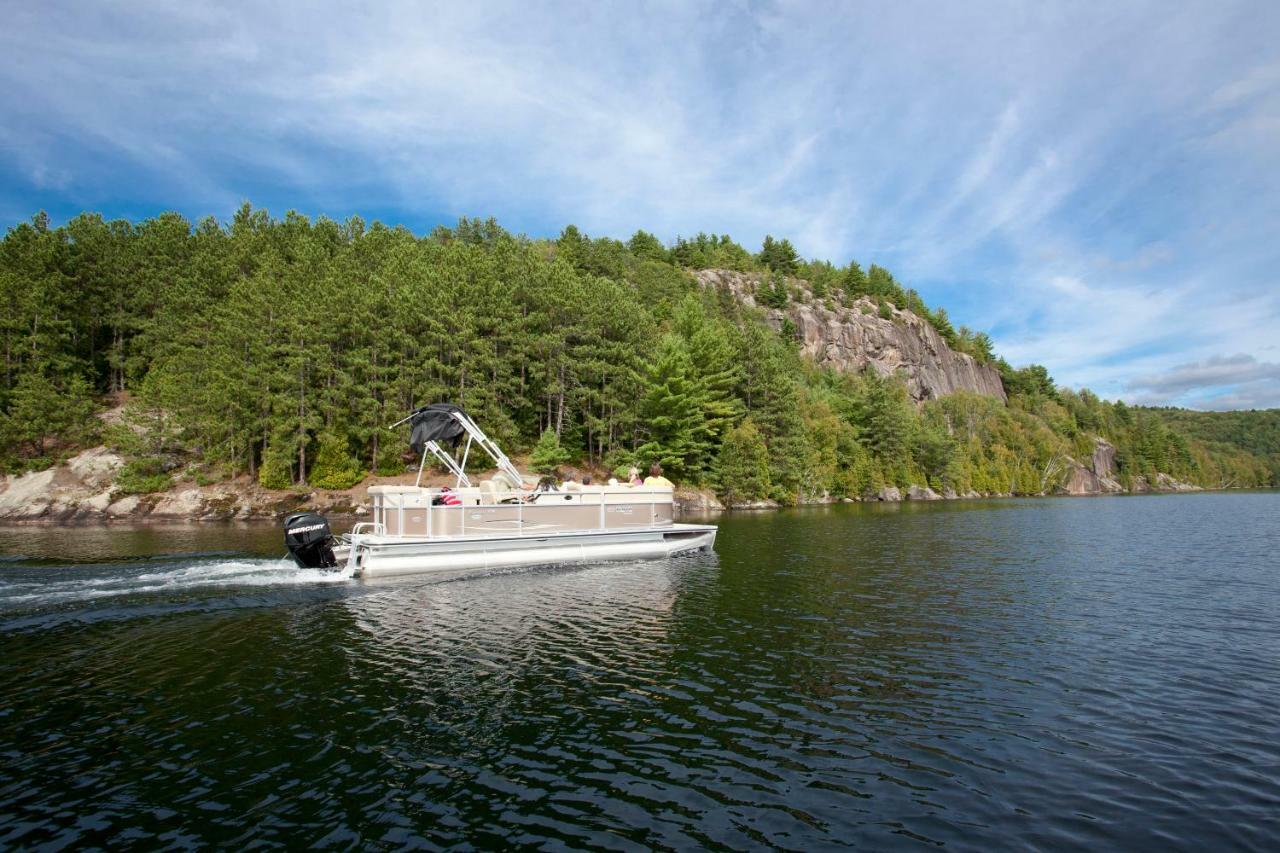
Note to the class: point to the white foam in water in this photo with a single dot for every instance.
(229, 573)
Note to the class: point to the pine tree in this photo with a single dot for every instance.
(674, 413)
(743, 465)
(547, 454)
(335, 468)
(276, 471)
(773, 292)
(855, 281)
(41, 408)
(647, 247)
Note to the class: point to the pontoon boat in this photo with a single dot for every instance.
(499, 522)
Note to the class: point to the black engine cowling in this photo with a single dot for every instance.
(309, 540)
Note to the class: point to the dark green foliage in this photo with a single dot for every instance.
(940, 321)
(711, 252)
(142, 477)
(281, 349)
(881, 406)
(335, 467)
(855, 281)
(647, 247)
(773, 292)
(976, 344)
(40, 406)
(779, 256)
(547, 454)
(674, 412)
(275, 472)
(1032, 381)
(1258, 432)
(936, 452)
(744, 464)
(788, 330)
(881, 284)
(823, 278)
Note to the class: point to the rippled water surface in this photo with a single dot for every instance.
(1042, 673)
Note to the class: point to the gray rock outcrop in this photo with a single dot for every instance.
(856, 337)
(922, 493)
(1103, 462)
(1166, 483)
(1096, 477)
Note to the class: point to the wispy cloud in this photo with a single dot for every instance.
(1098, 186)
(1221, 381)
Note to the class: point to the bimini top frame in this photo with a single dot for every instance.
(448, 422)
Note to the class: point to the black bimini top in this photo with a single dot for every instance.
(436, 423)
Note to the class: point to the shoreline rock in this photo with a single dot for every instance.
(82, 490)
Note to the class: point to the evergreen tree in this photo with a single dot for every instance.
(778, 255)
(276, 471)
(40, 408)
(547, 454)
(855, 281)
(334, 467)
(743, 465)
(774, 293)
(645, 246)
(674, 413)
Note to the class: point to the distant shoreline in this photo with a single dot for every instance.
(128, 521)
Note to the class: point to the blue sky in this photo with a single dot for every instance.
(1095, 184)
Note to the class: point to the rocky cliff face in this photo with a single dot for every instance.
(1097, 476)
(854, 338)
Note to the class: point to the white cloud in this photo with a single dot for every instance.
(1096, 186)
(1218, 382)
(1211, 373)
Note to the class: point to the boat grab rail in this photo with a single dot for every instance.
(636, 503)
(590, 495)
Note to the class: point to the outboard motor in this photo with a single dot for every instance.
(309, 540)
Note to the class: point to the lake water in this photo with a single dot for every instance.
(1052, 673)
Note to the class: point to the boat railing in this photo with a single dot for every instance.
(418, 512)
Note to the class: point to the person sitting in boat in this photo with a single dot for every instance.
(571, 483)
(548, 484)
(633, 477)
(656, 480)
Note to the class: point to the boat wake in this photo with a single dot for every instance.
(45, 589)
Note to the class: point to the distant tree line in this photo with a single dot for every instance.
(281, 349)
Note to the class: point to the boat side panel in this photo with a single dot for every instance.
(434, 557)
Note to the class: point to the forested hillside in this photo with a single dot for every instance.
(1257, 432)
(282, 349)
